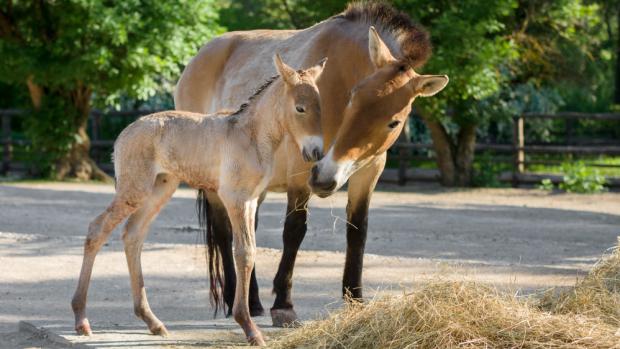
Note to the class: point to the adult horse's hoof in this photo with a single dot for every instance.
(83, 328)
(284, 318)
(257, 310)
(160, 331)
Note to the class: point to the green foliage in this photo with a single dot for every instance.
(546, 184)
(487, 172)
(277, 14)
(78, 49)
(580, 179)
(471, 46)
(123, 47)
(52, 133)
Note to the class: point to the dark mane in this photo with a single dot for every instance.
(256, 93)
(414, 40)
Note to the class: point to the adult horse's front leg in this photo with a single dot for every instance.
(295, 226)
(361, 185)
(242, 214)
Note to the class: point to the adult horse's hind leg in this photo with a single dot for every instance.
(295, 226)
(135, 232)
(98, 232)
(223, 238)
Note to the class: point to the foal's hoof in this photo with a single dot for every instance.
(160, 331)
(83, 328)
(257, 340)
(284, 318)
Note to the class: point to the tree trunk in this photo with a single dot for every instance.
(455, 161)
(444, 150)
(76, 163)
(466, 149)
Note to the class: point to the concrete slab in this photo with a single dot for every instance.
(220, 333)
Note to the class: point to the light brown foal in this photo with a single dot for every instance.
(231, 156)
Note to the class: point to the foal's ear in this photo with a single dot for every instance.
(428, 85)
(317, 69)
(289, 75)
(380, 54)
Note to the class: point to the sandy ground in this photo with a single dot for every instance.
(522, 240)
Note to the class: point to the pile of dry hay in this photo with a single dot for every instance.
(471, 315)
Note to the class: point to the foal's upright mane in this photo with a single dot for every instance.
(256, 93)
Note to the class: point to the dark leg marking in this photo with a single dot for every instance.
(356, 242)
(294, 231)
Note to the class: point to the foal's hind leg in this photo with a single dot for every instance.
(98, 232)
(135, 232)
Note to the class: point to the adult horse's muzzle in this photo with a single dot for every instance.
(328, 175)
(322, 188)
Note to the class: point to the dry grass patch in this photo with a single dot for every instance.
(597, 295)
(471, 315)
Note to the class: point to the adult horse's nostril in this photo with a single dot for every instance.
(315, 173)
(328, 186)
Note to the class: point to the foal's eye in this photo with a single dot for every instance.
(402, 68)
(393, 124)
(300, 109)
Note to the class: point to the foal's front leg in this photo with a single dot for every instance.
(241, 212)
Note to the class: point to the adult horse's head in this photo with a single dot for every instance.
(374, 117)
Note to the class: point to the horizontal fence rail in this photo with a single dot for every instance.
(517, 149)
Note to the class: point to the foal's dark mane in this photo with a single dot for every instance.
(414, 40)
(256, 93)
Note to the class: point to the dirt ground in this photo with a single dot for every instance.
(522, 240)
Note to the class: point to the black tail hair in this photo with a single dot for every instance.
(212, 253)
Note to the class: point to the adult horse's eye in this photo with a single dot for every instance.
(393, 124)
(402, 68)
(300, 109)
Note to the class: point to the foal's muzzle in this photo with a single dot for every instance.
(312, 149)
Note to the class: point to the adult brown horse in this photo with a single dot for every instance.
(367, 89)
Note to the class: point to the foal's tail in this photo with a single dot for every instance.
(212, 253)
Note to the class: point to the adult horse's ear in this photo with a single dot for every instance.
(428, 85)
(317, 69)
(380, 54)
(288, 74)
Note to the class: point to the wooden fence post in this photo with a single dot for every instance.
(518, 143)
(6, 143)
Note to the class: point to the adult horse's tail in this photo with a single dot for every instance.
(212, 253)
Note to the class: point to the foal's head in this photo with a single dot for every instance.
(302, 113)
(374, 116)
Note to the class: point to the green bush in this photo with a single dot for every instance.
(546, 184)
(487, 172)
(578, 179)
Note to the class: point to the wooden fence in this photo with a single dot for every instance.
(8, 143)
(519, 148)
